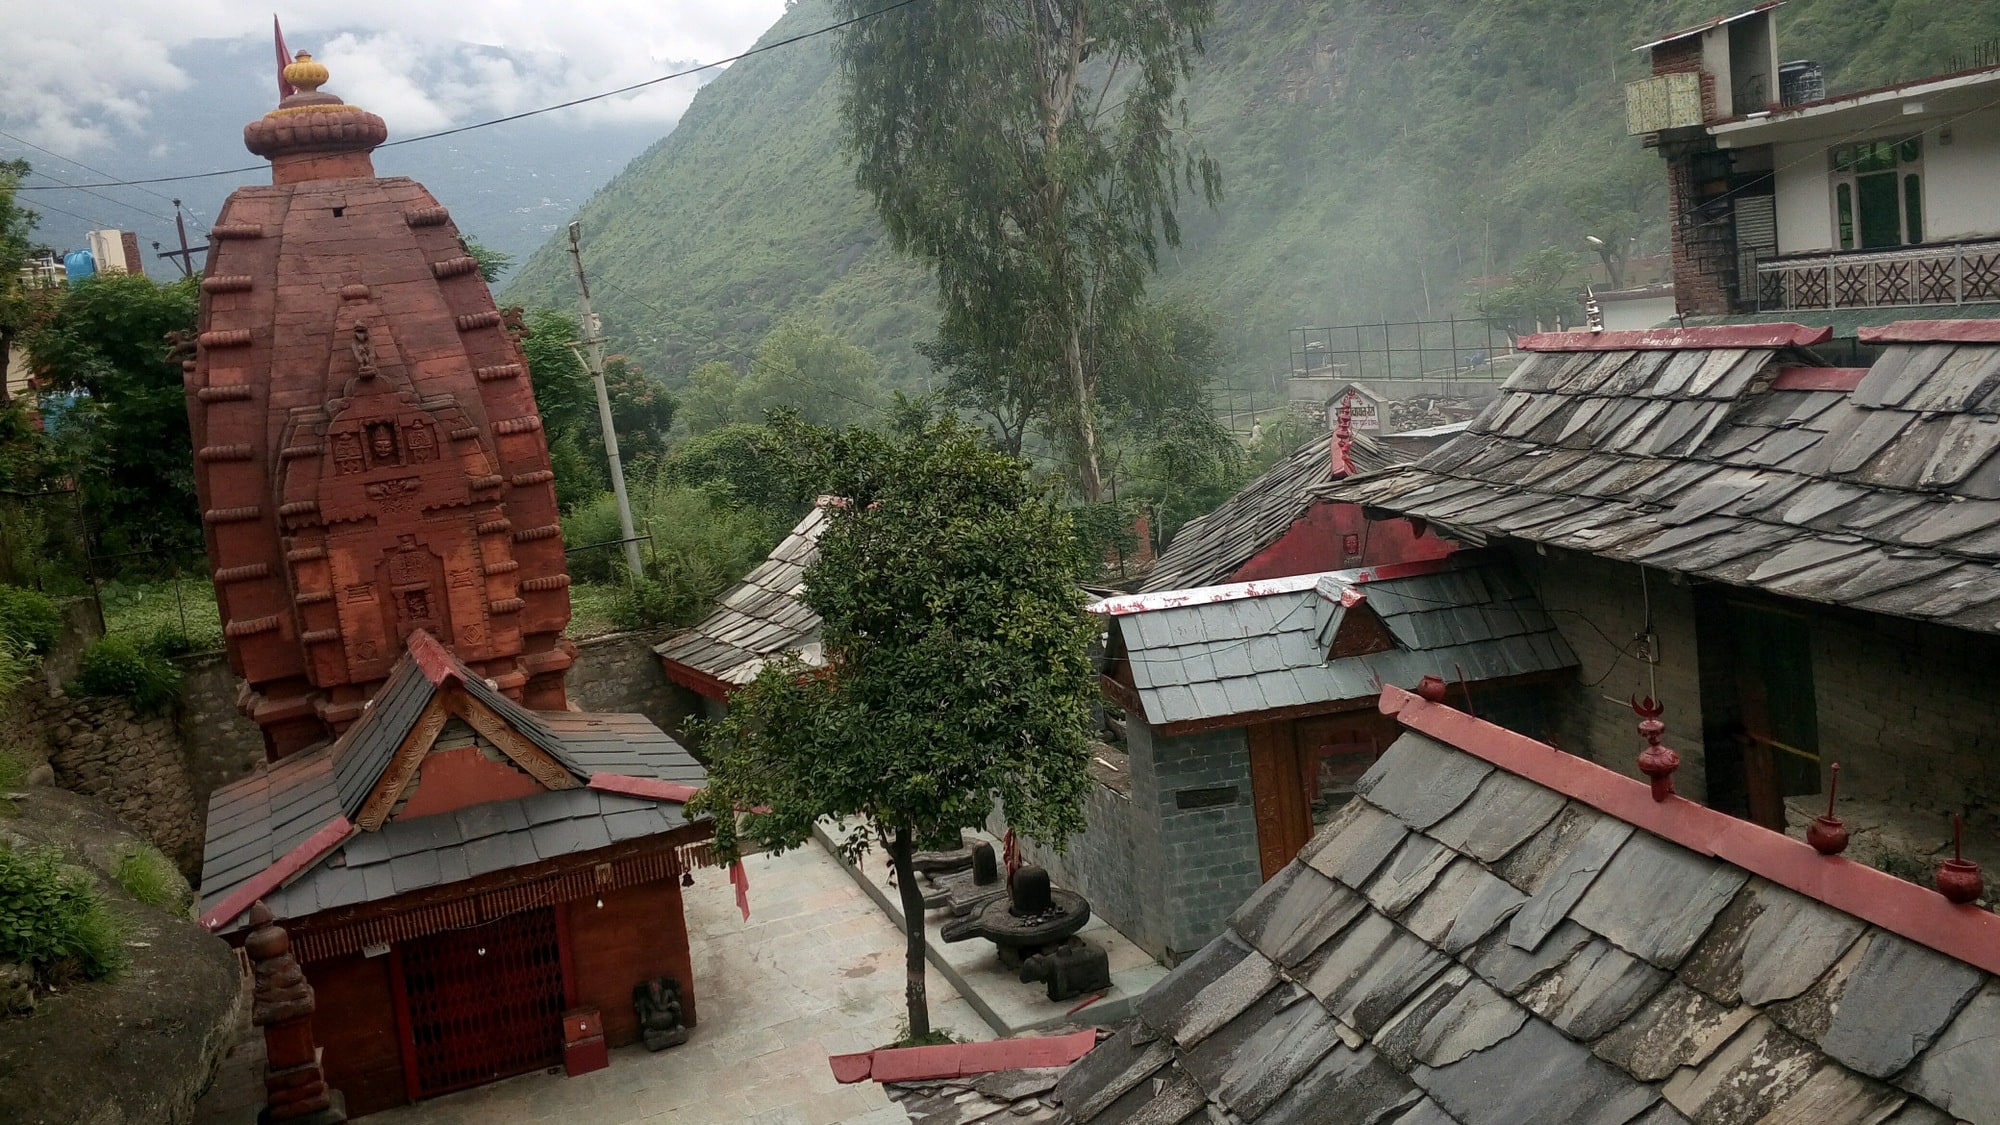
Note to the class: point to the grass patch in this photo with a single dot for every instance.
(594, 608)
(171, 617)
(53, 921)
(150, 877)
(938, 1037)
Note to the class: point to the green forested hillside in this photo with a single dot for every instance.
(1377, 155)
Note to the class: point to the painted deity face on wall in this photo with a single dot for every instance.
(382, 443)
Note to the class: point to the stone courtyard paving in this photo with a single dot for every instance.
(816, 971)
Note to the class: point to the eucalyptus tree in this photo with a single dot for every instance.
(1032, 153)
(956, 665)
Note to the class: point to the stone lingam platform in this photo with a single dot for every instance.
(1010, 1005)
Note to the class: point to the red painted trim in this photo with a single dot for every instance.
(698, 681)
(433, 659)
(643, 787)
(1402, 570)
(264, 882)
(1783, 334)
(406, 1036)
(1818, 378)
(1918, 913)
(1933, 332)
(960, 1060)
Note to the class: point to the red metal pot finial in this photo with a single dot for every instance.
(1827, 834)
(1958, 878)
(1655, 761)
(1431, 689)
(1343, 436)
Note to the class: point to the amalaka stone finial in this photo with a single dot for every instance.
(306, 74)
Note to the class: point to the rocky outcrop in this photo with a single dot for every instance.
(137, 1049)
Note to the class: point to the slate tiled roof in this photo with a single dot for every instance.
(1465, 945)
(1745, 465)
(760, 618)
(1207, 550)
(258, 821)
(1200, 655)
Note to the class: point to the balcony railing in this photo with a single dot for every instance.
(1955, 273)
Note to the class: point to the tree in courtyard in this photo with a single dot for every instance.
(956, 668)
(1029, 152)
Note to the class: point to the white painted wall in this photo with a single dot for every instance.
(1961, 186)
(1646, 312)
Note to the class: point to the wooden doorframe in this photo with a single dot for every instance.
(1282, 775)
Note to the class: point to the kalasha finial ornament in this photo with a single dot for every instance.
(1958, 878)
(1827, 834)
(1431, 689)
(1655, 761)
(1343, 436)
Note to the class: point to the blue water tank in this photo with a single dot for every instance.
(78, 264)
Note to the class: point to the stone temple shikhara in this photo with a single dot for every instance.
(471, 879)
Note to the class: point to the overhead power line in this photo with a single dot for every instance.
(80, 164)
(757, 50)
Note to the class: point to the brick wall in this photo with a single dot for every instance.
(1599, 606)
(1107, 864)
(1210, 853)
(1699, 287)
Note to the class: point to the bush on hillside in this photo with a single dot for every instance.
(116, 668)
(28, 619)
(150, 877)
(53, 921)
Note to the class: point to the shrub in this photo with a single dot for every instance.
(53, 921)
(28, 619)
(151, 878)
(115, 668)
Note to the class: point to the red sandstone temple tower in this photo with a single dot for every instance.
(368, 453)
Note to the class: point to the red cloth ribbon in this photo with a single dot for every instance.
(1011, 849)
(740, 879)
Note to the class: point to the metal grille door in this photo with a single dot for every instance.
(485, 1003)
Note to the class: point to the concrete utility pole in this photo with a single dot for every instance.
(594, 341)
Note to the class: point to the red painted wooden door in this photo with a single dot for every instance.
(483, 1003)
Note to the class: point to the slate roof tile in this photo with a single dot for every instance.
(1501, 813)
(1408, 874)
(1678, 1027)
(1656, 899)
(1834, 1096)
(1104, 1075)
(1353, 854)
(1352, 1086)
(1594, 991)
(1956, 1072)
(1249, 1063)
(1462, 907)
(1564, 883)
(1882, 1004)
(1239, 979)
(1455, 1016)
(759, 618)
(1420, 781)
(1535, 1077)
(1755, 1072)
(1769, 944)
(1293, 911)
(1369, 970)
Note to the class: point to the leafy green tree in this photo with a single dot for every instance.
(642, 409)
(492, 263)
(106, 343)
(16, 224)
(1538, 293)
(956, 663)
(799, 366)
(708, 402)
(1030, 154)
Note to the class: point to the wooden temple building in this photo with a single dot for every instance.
(451, 858)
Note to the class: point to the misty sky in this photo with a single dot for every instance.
(82, 77)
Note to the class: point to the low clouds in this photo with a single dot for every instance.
(79, 76)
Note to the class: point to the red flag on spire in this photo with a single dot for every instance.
(285, 89)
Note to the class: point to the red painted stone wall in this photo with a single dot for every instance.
(368, 453)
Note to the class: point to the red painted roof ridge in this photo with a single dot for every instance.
(315, 848)
(1818, 378)
(643, 787)
(1920, 914)
(962, 1060)
(433, 659)
(1778, 334)
(1933, 332)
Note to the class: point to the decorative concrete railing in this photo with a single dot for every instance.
(1946, 274)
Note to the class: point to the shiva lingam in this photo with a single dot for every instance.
(1958, 878)
(943, 862)
(960, 892)
(658, 1003)
(1033, 917)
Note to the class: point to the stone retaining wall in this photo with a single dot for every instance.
(133, 763)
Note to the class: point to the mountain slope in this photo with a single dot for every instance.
(1377, 155)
